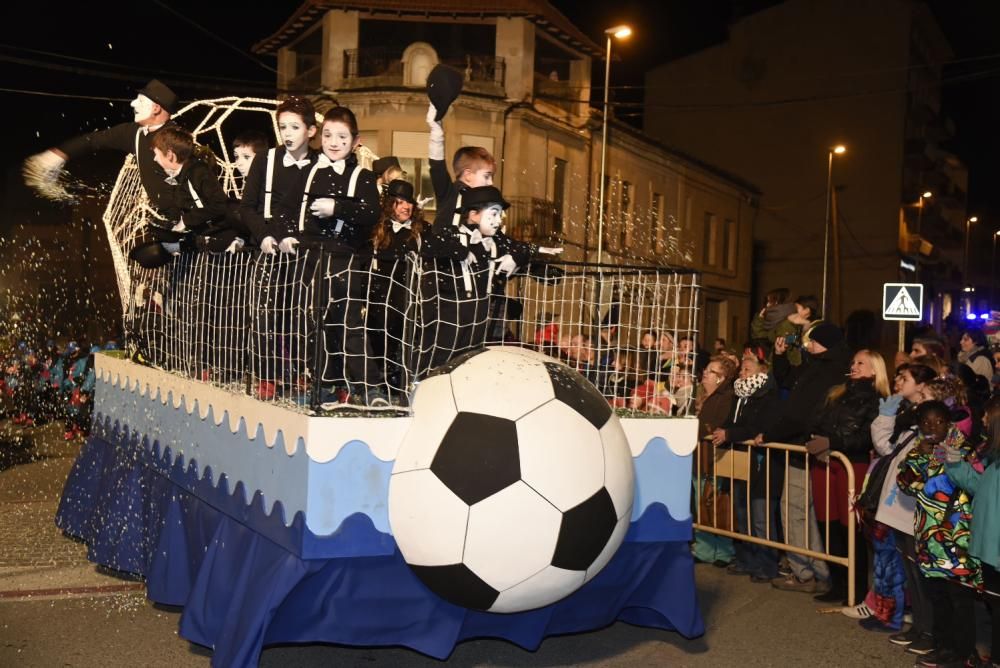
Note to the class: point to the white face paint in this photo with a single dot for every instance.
(294, 133)
(242, 157)
(490, 219)
(338, 142)
(142, 106)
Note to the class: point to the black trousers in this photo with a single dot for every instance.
(954, 615)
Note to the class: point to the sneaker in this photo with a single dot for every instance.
(792, 583)
(904, 638)
(907, 617)
(875, 625)
(943, 658)
(784, 569)
(861, 611)
(923, 645)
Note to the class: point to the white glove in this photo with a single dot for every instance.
(471, 259)
(235, 247)
(323, 207)
(172, 247)
(269, 246)
(546, 250)
(435, 145)
(288, 245)
(424, 201)
(506, 265)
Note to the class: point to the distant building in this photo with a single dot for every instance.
(791, 82)
(527, 99)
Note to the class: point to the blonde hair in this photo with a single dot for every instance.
(880, 380)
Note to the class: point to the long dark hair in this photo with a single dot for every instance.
(381, 237)
(991, 447)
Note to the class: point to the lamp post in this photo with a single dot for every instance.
(838, 150)
(920, 239)
(620, 32)
(965, 261)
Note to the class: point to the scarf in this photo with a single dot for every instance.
(747, 387)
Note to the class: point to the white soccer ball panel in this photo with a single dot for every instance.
(433, 411)
(619, 467)
(617, 536)
(548, 586)
(525, 352)
(562, 457)
(502, 384)
(427, 520)
(512, 535)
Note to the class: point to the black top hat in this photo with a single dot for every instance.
(382, 164)
(150, 255)
(444, 84)
(401, 189)
(158, 92)
(478, 198)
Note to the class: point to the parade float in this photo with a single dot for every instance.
(504, 498)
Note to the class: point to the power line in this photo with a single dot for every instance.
(220, 40)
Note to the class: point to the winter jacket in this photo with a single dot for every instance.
(985, 488)
(751, 416)
(796, 421)
(979, 361)
(847, 421)
(773, 324)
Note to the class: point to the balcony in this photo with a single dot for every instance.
(533, 219)
(373, 67)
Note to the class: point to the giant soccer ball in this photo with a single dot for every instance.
(514, 485)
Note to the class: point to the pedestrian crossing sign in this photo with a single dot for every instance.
(902, 301)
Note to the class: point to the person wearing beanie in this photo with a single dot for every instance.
(828, 365)
(152, 107)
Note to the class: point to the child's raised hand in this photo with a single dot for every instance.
(506, 265)
(323, 207)
(432, 116)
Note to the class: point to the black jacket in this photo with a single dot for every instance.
(355, 215)
(751, 416)
(178, 201)
(125, 137)
(847, 421)
(446, 192)
(796, 419)
(286, 196)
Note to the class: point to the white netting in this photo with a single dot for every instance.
(319, 329)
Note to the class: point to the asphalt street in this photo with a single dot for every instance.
(57, 609)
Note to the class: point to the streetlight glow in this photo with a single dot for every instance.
(619, 32)
(927, 194)
(839, 149)
(974, 219)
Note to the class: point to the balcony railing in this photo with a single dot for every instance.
(383, 66)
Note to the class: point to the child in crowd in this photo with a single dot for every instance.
(246, 146)
(941, 531)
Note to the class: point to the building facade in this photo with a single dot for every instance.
(769, 103)
(526, 98)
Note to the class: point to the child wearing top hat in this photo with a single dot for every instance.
(462, 269)
(153, 106)
(397, 235)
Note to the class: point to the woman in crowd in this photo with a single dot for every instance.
(753, 411)
(713, 406)
(985, 529)
(844, 425)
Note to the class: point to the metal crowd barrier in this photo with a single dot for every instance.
(730, 463)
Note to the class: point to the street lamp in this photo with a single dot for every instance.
(619, 32)
(965, 263)
(839, 149)
(920, 239)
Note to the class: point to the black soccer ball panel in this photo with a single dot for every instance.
(478, 456)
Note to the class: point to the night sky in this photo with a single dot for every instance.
(66, 70)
